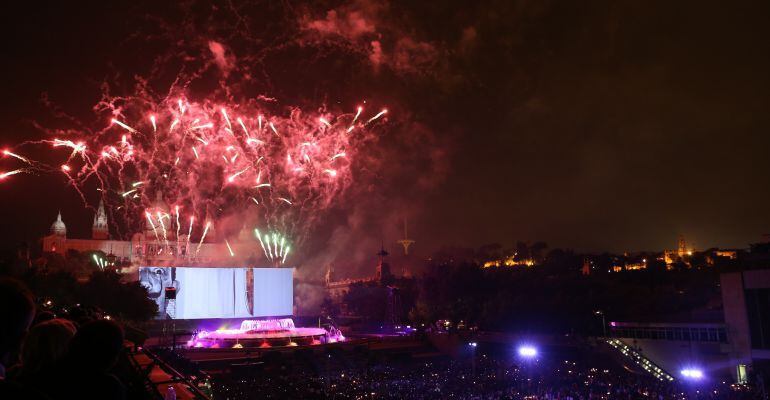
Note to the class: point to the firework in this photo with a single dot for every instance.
(8, 153)
(189, 231)
(152, 224)
(4, 175)
(203, 236)
(176, 208)
(209, 158)
(126, 127)
(379, 114)
(274, 245)
(163, 228)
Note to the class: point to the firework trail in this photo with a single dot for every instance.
(152, 224)
(178, 225)
(203, 237)
(189, 231)
(4, 175)
(163, 228)
(14, 155)
(274, 245)
(211, 159)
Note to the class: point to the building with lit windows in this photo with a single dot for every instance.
(144, 248)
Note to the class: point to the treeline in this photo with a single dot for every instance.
(532, 299)
(103, 290)
(553, 297)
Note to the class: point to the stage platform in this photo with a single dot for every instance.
(264, 334)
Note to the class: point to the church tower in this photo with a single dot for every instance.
(58, 228)
(100, 230)
(682, 247)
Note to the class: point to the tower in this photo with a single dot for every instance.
(329, 277)
(406, 242)
(682, 247)
(58, 228)
(383, 274)
(100, 230)
(586, 266)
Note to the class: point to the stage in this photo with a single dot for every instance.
(267, 333)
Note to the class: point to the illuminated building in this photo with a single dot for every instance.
(721, 256)
(682, 247)
(682, 253)
(630, 266)
(336, 290)
(144, 248)
(731, 254)
(637, 265)
(510, 262)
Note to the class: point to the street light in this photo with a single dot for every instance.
(527, 351)
(473, 346)
(692, 373)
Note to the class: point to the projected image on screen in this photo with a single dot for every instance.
(219, 292)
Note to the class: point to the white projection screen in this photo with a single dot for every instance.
(220, 292)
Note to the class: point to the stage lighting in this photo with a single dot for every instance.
(692, 373)
(527, 351)
(473, 344)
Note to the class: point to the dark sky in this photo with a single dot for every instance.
(589, 125)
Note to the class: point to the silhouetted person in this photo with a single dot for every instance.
(43, 349)
(79, 315)
(43, 316)
(92, 353)
(16, 312)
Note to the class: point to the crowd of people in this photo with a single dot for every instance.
(349, 375)
(65, 353)
(73, 352)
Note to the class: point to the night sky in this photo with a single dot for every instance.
(589, 125)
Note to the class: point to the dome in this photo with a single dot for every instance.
(58, 227)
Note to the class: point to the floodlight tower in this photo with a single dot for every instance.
(406, 242)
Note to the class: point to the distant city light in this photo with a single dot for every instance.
(527, 351)
(692, 373)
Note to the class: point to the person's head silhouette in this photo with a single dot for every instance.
(96, 345)
(16, 312)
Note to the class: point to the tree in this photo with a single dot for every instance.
(367, 300)
(536, 251)
(128, 300)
